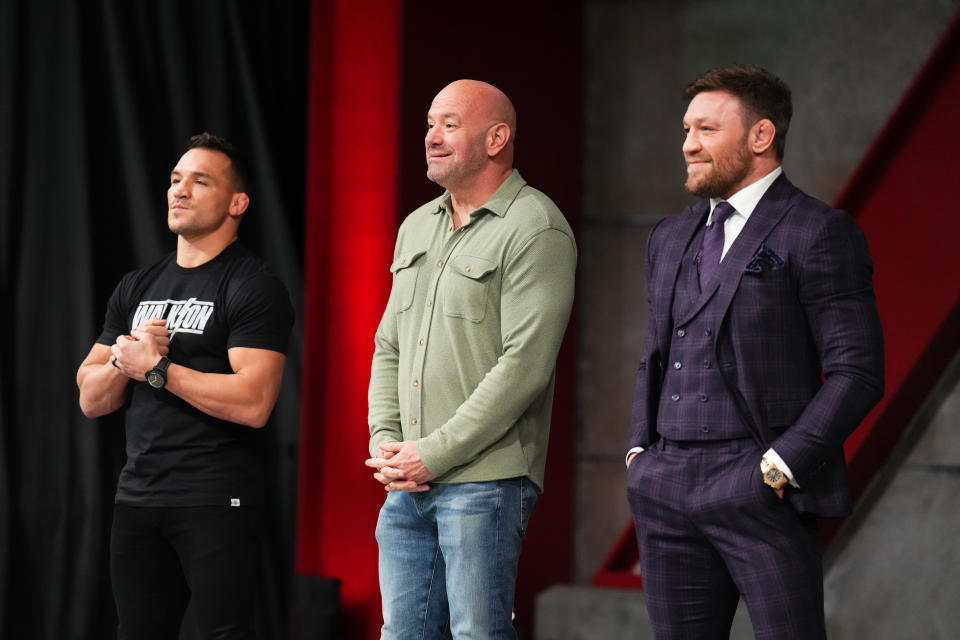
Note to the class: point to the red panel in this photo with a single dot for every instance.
(902, 199)
(350, 231)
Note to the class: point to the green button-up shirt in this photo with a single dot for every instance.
(466, 350)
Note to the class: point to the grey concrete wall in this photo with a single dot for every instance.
(848, 64)
(893, 572)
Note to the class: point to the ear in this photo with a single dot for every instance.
(238, 204)
(761, 136)
(497, 137)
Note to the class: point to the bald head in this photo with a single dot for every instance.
(470, 132)
(483, 101)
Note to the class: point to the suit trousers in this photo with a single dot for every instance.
(709, 530)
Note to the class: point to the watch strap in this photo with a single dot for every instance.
(162, 365)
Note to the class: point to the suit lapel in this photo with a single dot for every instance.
(686, 228)
(769, 211)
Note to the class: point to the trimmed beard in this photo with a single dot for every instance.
(726, 175)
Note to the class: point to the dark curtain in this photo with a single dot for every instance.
(97, 101)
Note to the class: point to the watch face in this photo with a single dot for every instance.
(774, 475)
(155, 379)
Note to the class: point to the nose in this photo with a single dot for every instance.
(691, 142)
(432, 137)
(178, 189)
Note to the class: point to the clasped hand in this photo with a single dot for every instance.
(399, 467)
(139, 352)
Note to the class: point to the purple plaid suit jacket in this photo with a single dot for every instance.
(800, 346)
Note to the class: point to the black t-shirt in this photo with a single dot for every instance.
(176, 454)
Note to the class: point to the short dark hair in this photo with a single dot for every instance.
(238, 164)
(762, 94)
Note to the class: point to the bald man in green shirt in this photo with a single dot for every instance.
(462, 381)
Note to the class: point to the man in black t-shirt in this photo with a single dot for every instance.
(193, 347)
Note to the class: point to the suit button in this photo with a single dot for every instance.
(705, 429)
(677, 365)
(681, 332)
(707, 331)
(675, 397)
(703, 397)
(706, 364)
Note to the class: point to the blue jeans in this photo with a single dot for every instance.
(448, 556)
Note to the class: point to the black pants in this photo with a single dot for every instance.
(163, 559)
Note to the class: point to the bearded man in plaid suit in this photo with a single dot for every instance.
(763, 353)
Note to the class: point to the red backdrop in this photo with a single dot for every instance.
(350, 229)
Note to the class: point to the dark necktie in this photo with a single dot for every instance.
(713, 243)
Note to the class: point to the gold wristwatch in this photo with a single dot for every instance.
(772, 476)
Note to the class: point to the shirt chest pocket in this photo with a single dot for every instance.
(466, 287)
(405, 269)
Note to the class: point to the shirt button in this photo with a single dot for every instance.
(675, 397)
(429, 303)
(677, 365)
(414, 421)
(468, 269)
(439, 263)
(416, 383)
(681, 332)
(706, 364)
(421, 342)
(450, 228)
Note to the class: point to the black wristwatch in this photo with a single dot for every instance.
(157, 377)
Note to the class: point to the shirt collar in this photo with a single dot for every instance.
(745, 200)
(498, 203)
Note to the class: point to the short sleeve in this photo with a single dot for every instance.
(260, 314)
(115, 321)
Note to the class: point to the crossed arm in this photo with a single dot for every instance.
(244, 397)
